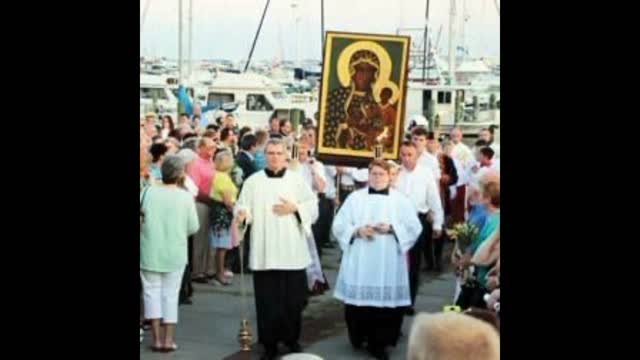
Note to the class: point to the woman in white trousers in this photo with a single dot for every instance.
(169, 218)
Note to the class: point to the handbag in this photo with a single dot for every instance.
(144, 194)
(471, 294)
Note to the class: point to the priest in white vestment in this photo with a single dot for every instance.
(280, 207)
(375, 228)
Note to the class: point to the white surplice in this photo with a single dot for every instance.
(314, 270)
(375, 272)
(278, 242)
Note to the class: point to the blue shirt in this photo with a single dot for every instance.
(183, 97)
(259, 160)
(491, 225)
(478, 216)
(156, 172)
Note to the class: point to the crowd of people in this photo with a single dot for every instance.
(206, 193)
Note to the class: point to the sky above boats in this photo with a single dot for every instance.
(224, 29)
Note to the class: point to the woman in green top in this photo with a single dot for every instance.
(224, 193)
(169, 218)
(491, 197)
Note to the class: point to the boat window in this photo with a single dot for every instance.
(444, 97)
(220, 98)
(282, 114)
(151, 93)
(258, 102)
(278, 95)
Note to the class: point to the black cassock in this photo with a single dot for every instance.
(379, 327)
(280, 298)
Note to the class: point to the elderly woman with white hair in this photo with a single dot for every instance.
(169, 218)
(450, 335)
(224, 193)
(186, 289)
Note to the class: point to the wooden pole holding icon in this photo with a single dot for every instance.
(377, 152)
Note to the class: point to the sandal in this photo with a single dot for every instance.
(157, 348)
(200, 280)
(171, 348)
(221, 282)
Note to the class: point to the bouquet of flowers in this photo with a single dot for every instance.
(464, 234)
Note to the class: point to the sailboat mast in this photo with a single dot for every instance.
(255, 39)
(322, 27)
(189, 48)
(463, 24)
(425, 44)
(180, 42)
(452, 51)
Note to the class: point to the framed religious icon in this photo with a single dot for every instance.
(362, 97)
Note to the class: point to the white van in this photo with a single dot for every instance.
(257, 97)
(155, 88)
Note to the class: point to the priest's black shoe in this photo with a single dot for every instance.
(379, 354)
(410, 311)
(294, 347)
(269, 354)
(186, 301)
(428, 268)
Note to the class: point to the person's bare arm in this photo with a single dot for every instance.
(227, 199)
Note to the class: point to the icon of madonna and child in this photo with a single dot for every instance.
(363, 107)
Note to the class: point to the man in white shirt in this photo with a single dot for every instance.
(485, 163)
(464, 158)
(419, 185)
(487, 135)
(309, 137)
(460, 151)
(420, 136)
(314, 175)
(347, 183)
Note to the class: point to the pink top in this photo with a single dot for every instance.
(202, 172)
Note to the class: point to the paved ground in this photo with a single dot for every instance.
(208, 329)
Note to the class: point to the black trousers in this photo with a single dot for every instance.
(280, 297)
(415, 255)
(186, 288)
(322, 228)
(433, 250)
(344, 194)
(379, 327)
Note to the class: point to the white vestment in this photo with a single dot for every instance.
(375, 272)
(314, 270)
(278, 242)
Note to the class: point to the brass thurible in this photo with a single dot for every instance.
(244, 336)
